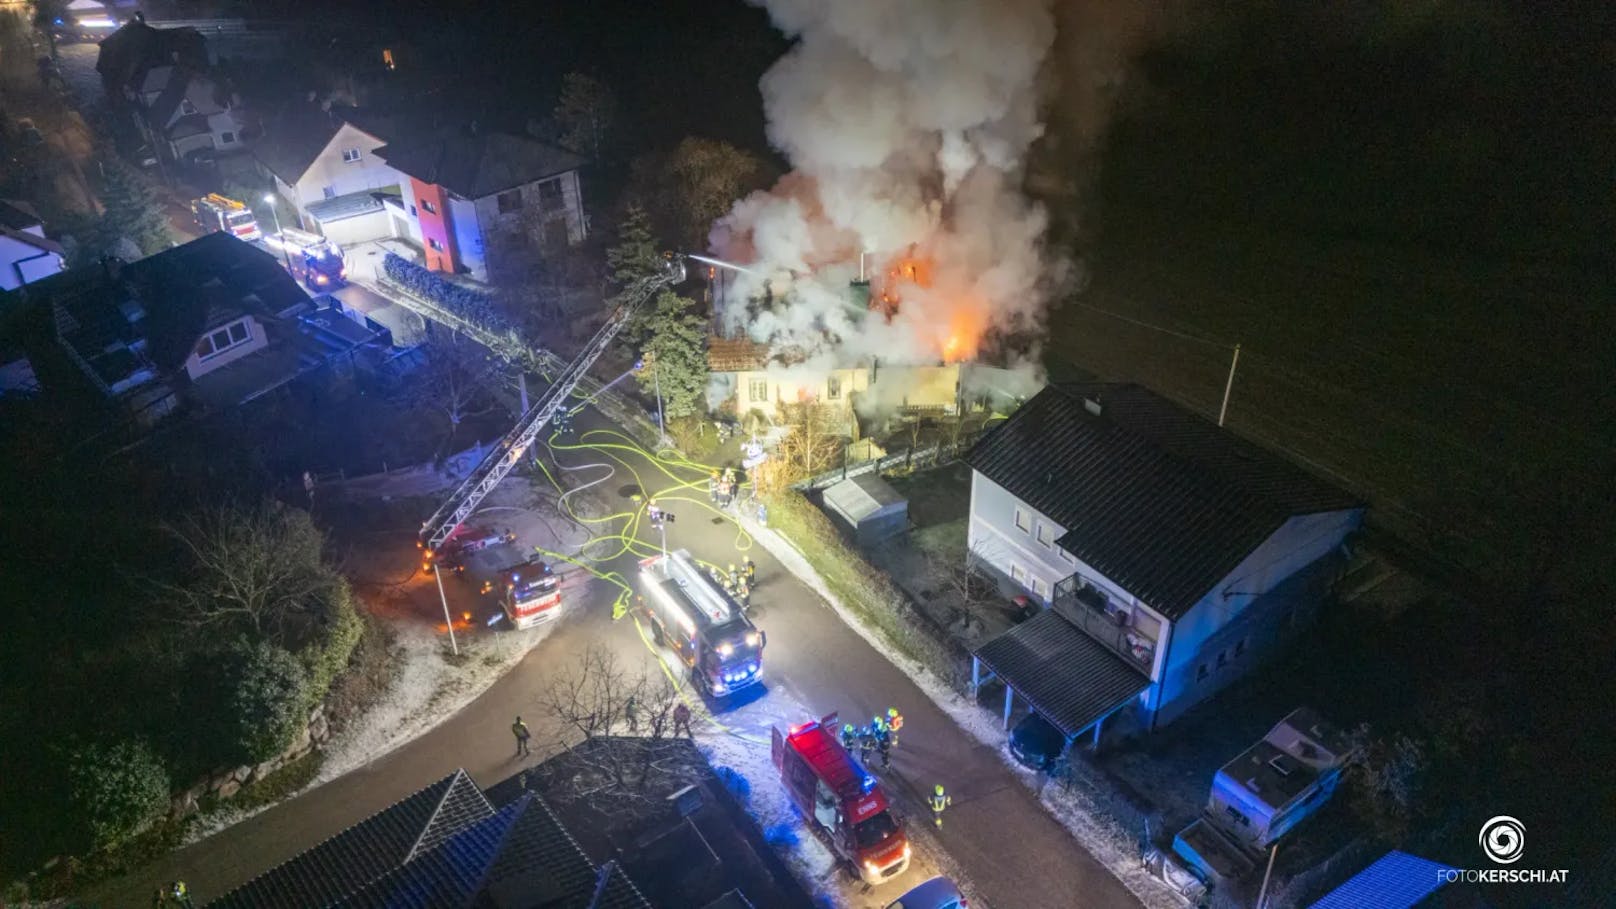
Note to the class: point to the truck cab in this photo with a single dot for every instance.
(690, 613)
(841, 799)
(215, 213)
(532, 593)
(527, 589)
(315, 261)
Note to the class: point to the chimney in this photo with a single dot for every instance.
(1092, 405)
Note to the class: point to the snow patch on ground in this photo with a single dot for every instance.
(426, 691)
(1109, 844)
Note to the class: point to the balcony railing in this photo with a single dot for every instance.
(1087, 608)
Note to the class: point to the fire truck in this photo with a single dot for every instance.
(691, 613)
(215, 213)
(842, 800)
(313, 259)
(528, 590)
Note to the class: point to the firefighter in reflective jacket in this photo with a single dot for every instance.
(849, 737)
(894, 723)
(939, 801)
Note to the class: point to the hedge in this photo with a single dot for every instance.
(115, 790)
(328, 654)
(475, 307)
(268, 701)
(861, 587)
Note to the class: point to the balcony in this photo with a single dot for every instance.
(1086, 607)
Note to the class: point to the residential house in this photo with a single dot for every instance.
(483, 197)
(326, 167)
(126, 54)
(217, 321)
(446, 845)
(185, 112)
(1175, 554)
(25, 252)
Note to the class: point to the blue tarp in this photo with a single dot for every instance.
(1397, 881)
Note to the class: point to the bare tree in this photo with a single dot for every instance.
(621, 720)
(810, 445)
(257, 571)
(974, 594)
(457, 372)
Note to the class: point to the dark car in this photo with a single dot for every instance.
(1036, 743)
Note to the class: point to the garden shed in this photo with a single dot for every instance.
(868, 507)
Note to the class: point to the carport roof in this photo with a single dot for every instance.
(1065, 675)
(350, 205)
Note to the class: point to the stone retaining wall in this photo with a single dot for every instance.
(225, 782)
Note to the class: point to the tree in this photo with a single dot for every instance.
(809, 446)
(695, 184)
(457, 371)
(255, 572)
(132, 210)
(598, 700)
(268, 701)
(633, 258)
(584, 114)
(46, 12)
(1387, 777)
(115, 790)
(676, 355)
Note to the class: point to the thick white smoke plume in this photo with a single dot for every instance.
(906, 123)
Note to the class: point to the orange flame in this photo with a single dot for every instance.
(963, 321)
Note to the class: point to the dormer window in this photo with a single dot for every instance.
(186, 107)
(222, 339)
(351, 155)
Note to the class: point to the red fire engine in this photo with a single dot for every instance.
(529, 591)
(841, 799)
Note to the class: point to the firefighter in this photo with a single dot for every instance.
(894, 723)
(681, 720)
(733, 575)
(866, 745)
(849, 737)
(883, 742)
(180, 894)
(712, 487)
(653, 512)
(940, 801)
(743, 595)
(519, 729)
(750, 567)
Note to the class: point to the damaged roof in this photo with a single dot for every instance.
(1160, 500)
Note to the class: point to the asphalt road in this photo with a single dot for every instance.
(1005, 844)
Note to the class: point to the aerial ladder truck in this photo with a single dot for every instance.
(504, 457)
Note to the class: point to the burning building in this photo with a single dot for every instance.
(906, 123)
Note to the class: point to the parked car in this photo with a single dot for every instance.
(1036, 743)
(937, 893)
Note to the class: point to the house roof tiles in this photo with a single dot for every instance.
(475, 164)
(1161, 501)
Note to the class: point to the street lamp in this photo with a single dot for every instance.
(274, 212)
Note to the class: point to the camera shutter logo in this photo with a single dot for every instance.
(1503, 838)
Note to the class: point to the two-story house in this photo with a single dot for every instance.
(26, 254)
(325, 166)
(481, 196)
(1174, 554)
(186, 112)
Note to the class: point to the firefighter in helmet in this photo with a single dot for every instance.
(849, 736)
(939, 801)
(894, 723)
(750, 567)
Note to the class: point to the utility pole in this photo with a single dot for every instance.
(448, 622)
(656, 377)
(1229, 385)
(274, 212)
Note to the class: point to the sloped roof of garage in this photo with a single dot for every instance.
(350, 205)
(1161, 501)
(863, 496)
(1068, 677)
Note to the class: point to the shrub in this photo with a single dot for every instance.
(268, 702)
(328, 653)
(462, 301)
(115, 790)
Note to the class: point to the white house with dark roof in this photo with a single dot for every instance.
(1174, 555)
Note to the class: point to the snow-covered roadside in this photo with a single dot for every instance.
(1110, 845)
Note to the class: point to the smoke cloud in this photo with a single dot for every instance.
(907, 123)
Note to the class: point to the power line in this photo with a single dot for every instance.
(1167, 331)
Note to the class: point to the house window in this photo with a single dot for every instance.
(186, 107)
(550, 195)
(434, 244)
(1023, 523)
(833, 388)
(1067, 557)
(222, 340)
(1236, 816)
(1018, 574)
(1040, 588)
(1200, 673)
(1043, 535)
(758, 389)
(428, 207)
(227, 138)
(350, 155)
(509, 201)
(330, 192)
(412, 211)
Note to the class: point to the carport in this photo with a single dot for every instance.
(1069, 678)
(352, 218)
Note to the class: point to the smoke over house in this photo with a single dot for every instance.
(907, 123)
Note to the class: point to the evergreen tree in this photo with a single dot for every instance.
(132, 211)
(584, 114)
(634, 257)
(676, 355)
